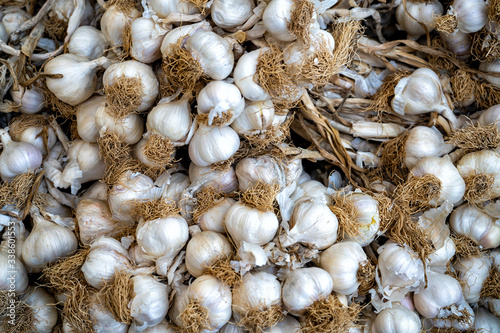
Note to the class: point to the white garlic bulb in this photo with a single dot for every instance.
(312, 224)
(485, 321)
(277, 17)
(481, 171)
(412, 15)
(470, 221)
(165, 7)
(85, 118)
(178, 34)
(472, 273)
(342, 261)
(367, 218)
(250, 224)
(493, 67)
(393, 320)
(256, 117)
(30, 100)
(244, 73)
(162, 327)
(263, 169)
(17, 157)
(172, 120)
(114, 20)
(230, 13)
(105, 257)
(204, 249)
(470, 14)
(424, 142)
(88, 41)
(211, 145)
(13, 20)
(459, 43)
(312, 188)
(452, 187)
(79, 77)
(224, 181)
(490, 116)
(162, 239)
(213, 218)
(88, 158)
(257, 291)
(104, 322)
(94, 219)
(46, 243)
(303, 287)
(179, 182)
(128, 129)
(399, 266)
(287, 325)
(97, 190)
(438, 260)
(219, 98)
(44, 309)
(146, 37)
(13, 275)
(34, 135)
(149, 305)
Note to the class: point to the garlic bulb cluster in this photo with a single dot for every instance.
(17, 157)
(416, 17)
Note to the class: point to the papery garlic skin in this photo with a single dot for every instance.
(211, 145)
(459, 43)
(146, 40)
(35, 136)
(17, 157)
(224, 181)
(468, 220)
(162, 327)
(399, 266)
(230, 13)
(472, 272)
(149, 306)
(255, 117)
(165, 7)
(218, 98)
(13, 20)
(129, 129)
(304, 286)
(182, 32)
(105, 257)
(412, 15)
(44, 310)
(31, 100)
(172, 120)
(312, 224)
(257, 291)
(213, 218)
(88, 41)
(484, 162)
(113, 22)
(94, 219)
(439, 259)
(89, 160)
(367, 218)
(424, 142)
(263, 169)
(8, 264)
(204, 249)
(249, 224)
(396, 320)
(243, 75)
(85, 118)
(178, 184)
(485, 321)
(287, 325)
(312, 188)
(104, 322)
(342, 261)
(471, 14)
(490, 116)
(493, 67)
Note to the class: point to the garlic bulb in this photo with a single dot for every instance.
(303, 287)
(17, 157)
(33, 134)
(146, 38)
(412, 15)
(215, 297)
(471, 15)
(165, 7)
(424, 142)
(13, 275)
(224, 181)
(213, 218)
(263, 168)
(256, 117)
(179, 303)
(204, 249)
(180, 34)
(485, 321)
(128, 129)
(97, 191)
(90, 162)
(395, 320)
(468, 220)
(438, 260)
(490, 116)
(94, 219)
(399, 266)
(88, 42)
(312, 224)
(452, 187)
(312, 188)
(287, 325)
(367, 218)
(44, 309)
(162, 327)
(149, 305)
(46, 243)
(104, 322)
(118, 78)
(251, 225)
(342, 261)
(85, 118)
(244, 73)
(114, 21)
(79, 77)
(105, 257)
(459, 43)
(30, 100)
(481, 172)
(472, 273)
(14, 19)
(493, 67)
(211, 145)
(220, 99)
(162, 239)
(172, 120)
(257, 292)
(230, 13)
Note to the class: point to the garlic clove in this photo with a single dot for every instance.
(230, 13)
(17, 157)
(89, 42)
(30, 100)
(94, 219)
(115, 19)
(255, 117)
(213, 218)
(244, 73)
(485, 321)
(85, 118)
(129, 129)
(146, 38)
(89, 160)
(424, 142)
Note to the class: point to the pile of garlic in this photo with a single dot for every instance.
(250, 166)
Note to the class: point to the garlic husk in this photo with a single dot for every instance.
(249, 224)
(439, 259)
(88, 158)
(490, 116)
(493, 67)
(471, 14)
(433, 224)
(105, 257)
(165, 7)
(47, 243)
(452, 187)
(179, 303)
(182, 32)
(149, 305)
(312, 188)
(296, 298)
(94, 219)
(243, 75)
(97, 190)
(412, 15)
(257, 291)
(312, 224)
(230, 13)
(472, 273)
(17, 157)
(263, 169)
(35, 136)
(399, 267)
(179, 182)
(146, 37)
(204, 249)
(30, 100)
(221, 180)
(395, 320)
(255, 117)
(485, 321)
(162, 239)
(104, 322)
(213, 218)
(89, 42)
(171, 119)
(14, 19)
(13, 275)
(342, 261)
(79, 77)
(468, 220)
(113, 22)
(44, 310)
(459, 316)
(162, 327)
(128, 129)
(211, 145)
(219, 98)
(424, 142)
(85, 118)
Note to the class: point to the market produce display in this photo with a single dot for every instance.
(249, 166)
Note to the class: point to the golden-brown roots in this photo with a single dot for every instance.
(485, 46)
(123, 96)
(437, 62)
(115, 296)
(494, 11)
(317, 68)
(223, 270)
(18, 191)
(261, 196)
(478, 186)
(461, 316)
(159, 150)
(476, 137)
(154, 209)
(392, 163)
(346, 35)
(259, 144)
(465, 246)
(487, 95)
(446, 23)
(463, 86)
(194, 318)
(55, 27)
(330, 315)
(200, 4)
(365, 276)
(384, 95)
(347, 214)
(53, 103)
(23, 320)
(205, 199)
(127, 39)
(111, 148)
(301, 16)
(122, 5)
(217, 121)
(417, 192)
(491, 287)
(256, 320)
